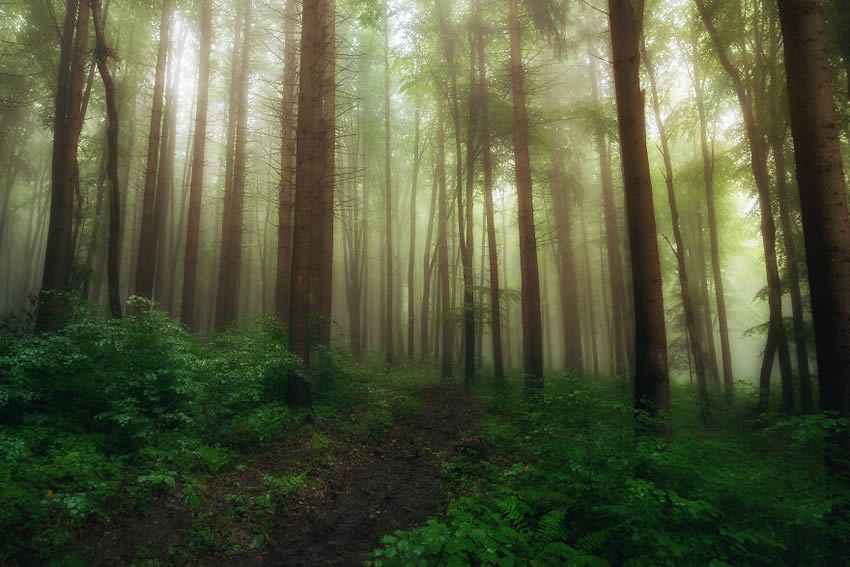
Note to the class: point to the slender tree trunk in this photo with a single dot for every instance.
(714, 239)
(823, 203)
(146, 255)
(570, 316)
(114, 242)
(688, 303)
(443, 248)
(388, 194)
(617, 322)
(230, 264)
(589, 285)
(196, 185)
(487, 165)
(287, 159)
(651, 383)
(532, 332)
(758, 154)
(467, 245)
(411, 318)
(427, 269)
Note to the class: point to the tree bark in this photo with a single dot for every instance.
(196, 185)
(758, 155)
(487, 165)
(714, 239)
(651, 382)
(146, 255)
(314, 148)
(691, 321)
(443, 248)
(388, 230)
(823, 203)
(411, 318)
(230, 263)
(114, 242)
(532, 332)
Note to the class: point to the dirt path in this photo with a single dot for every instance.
(391, 484)
(399, 489)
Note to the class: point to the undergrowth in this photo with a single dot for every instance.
(568, 483)
(97, 420)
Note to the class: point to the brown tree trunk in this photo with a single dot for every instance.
(688, 303)
(287, 162)
(114, 242)
(196, 185)
(230, 263)
(617, 321)
(714, 239)
(823, 203)
(651, 383)
(411, 319)
(467, 245)
(388, 230)
(758, 154)
(314, 149)
(589, 285)
(487, 165)
(59, 254)
(428, 258)
(532, 332)
(570, 316)
(146, 255)
(443, 248)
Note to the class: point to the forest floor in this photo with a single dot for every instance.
(321, 497)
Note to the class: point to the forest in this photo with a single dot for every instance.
(424, 282)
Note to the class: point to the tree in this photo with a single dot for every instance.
(443, 247)
(688, 302)
(68, 120)
(388, 194)
(651, 381)
(287, 158)
(114, 243)
(313, 178)
(823, 203)
(777, 340)
(196, 186)
(229, 268)
(532, 331)
(487, 165)
(148, 236)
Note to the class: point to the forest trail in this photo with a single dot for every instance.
(392, 483)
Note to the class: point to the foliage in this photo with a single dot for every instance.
(108, 407)
(571, 484)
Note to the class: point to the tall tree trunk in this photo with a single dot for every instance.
(428, 259)
(487, 165)
(287, 162)
(570, 316)
(443, 247)
(388, 230)
(589, 286)
(314, 149)
(714, 239)
(758, 155)
(651, 383)
(230, 264)
(146, 255)
(532, 332)
(196, 185)
(617, 321)
(325, 225)
(68, 118)
(467, 245)
(688, 303)
(114, 241)
(411, 319)
(823, 203)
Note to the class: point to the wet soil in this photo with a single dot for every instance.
(354, 494)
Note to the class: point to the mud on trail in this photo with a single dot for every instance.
(360, 493)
